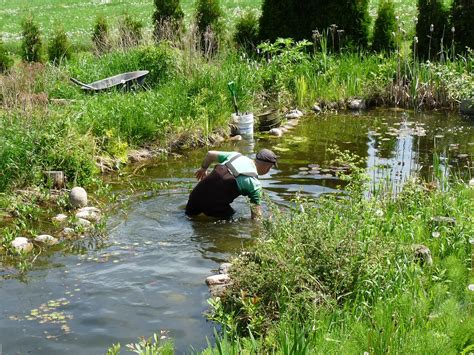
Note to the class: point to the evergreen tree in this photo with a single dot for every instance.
(462, 19)
(59, 47)
(246, 31)
(31, 43)
(6, 61)
(100, 35)
(385, 28)
(208, 18)
(167, 19)
(432, 29)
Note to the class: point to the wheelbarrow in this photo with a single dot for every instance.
(124, 81)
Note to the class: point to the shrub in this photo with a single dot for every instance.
(167, 19)
(100, 35)
(130, 31)
(6, 61)
(246, 34)
(384, 28)
(59, 47)
(287, 18)
(462, 17)
(31, 43)
(431, 28)
(208, 18)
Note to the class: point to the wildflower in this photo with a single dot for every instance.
(471, 287)
(415, 39)
(453, 29)
(435, 234)
(431, 28)
(379, 213)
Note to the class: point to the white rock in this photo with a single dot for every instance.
(294, 114)
(60, 218)
(236, 138)
(81, 222)
(276, 132)
(283, 129)
(316, 109)
(22, 245)
(91, 216)
(471, 183)
(357, 104)
(78, 197)
(67, 232)
(46, 239)
(292, 123)
(89, 209)
(224, 268)
(220, 279)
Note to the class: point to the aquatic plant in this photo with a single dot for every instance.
(31, 45)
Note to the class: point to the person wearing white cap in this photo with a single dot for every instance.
(234, 175)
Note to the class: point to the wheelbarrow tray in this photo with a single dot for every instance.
(124, 81)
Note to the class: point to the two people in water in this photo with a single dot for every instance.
(234, 175)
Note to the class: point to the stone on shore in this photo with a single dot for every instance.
(60, 218)
(471, 183)
(224, 268)
(78, 197)
(220, 279)
(357, 104)
(46, 239)
(236, 138)
(316, 109)
(22, 245)
(292, 123)
(92, 215)
(294, 114)
(68, 232)
(81, 222)
(275, 132)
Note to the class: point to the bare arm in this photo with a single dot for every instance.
(210, 157)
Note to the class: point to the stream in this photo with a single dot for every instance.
(149, 274)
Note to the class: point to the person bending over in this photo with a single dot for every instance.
(234, 175)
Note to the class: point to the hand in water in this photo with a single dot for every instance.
(200, 174)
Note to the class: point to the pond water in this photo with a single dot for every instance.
(149, 274)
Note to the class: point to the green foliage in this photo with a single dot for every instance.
(31, 40)
(385, 28)
(286, 18)
(59, 47)
(246, 31)
(432, 30)
(100, 35)
(167, 19)
(130, 31)
(6, 61)
(208, 18)
(462, 15)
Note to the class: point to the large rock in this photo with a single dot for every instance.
(224, 268)
(78, 197)
(357, 104)
(220, 279)
(60, 218)
(81, 222)
(316, 108)
(294, 114)
(91, 214)
(22, 245)
(46, 239)
(276, 132)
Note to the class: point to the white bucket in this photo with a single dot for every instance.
(245, 124)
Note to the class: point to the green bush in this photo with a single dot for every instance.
(462, 18)
(100, 35)
(246, 31)
(59, 47)
(208, 18)
(6, 61)
(298, 19)
(130, 31)
(432, 29)
(167, 19)
(31, 42)
(385, 28)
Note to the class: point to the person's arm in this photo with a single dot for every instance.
(211, 157)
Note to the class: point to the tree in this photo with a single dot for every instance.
(385, 28)
(59, 47)
(31, 43)
(167, 19)
(462, 18)
(100, 35)
(208, 18)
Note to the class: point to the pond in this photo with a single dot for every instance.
(149, 276)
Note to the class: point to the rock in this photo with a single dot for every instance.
(89, 209)
(60, 218)
(466, 108)
(236, 138)
(423, 255)
(136, 156)
(294, 114)
(78, 197)
(90, 215)
(224, 268)
(68, 232)
(292, 123)
(316, 109)
(287, 127)
(283, 129)
(81, 222)
(471, 183)
(46, 239)
(357, 104)
(220, 279)
(22, 245)
(217, 290)
(275, 132)
(443, 220)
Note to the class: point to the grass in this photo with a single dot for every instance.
(343, 275)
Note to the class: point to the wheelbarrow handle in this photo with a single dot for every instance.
(75, 81)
